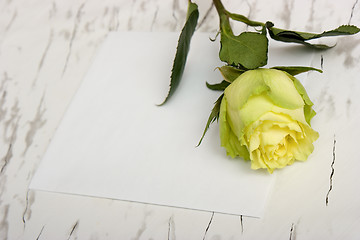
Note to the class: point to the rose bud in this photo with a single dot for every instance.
(265, 118)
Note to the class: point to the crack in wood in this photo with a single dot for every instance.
(8, 26)
(292, 232)
(206, 15)
(3, 110)
(9, 153)
(169, 227)
(37, 123)
(73, 229)
(352, 11)
(43, 57)
(154, 18)
(12, 122)
(26, 209)
(6, 158)
(3, 84)
(42, 229)
(322, 62)
(241, 224)
(208, 226)
(332, 173)
(73, 35)
(4, 223)
(142, 229)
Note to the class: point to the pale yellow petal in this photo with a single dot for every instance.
(282, 89)
(274, 135)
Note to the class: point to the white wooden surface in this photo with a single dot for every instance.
(46, 48)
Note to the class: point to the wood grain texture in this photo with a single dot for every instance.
(46, 48)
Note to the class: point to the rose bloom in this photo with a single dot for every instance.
(265, 117)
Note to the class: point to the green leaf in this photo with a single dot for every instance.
(249, 49)
(192, 7)
(230, 73)
(183, 49)
(218, 86)
(301, 37)
(295, 70)
(214, 115)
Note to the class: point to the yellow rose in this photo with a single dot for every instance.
(265, 117)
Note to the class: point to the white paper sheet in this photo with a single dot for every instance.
(114, 142)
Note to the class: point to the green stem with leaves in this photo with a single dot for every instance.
(224, 18)
(246, 51)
